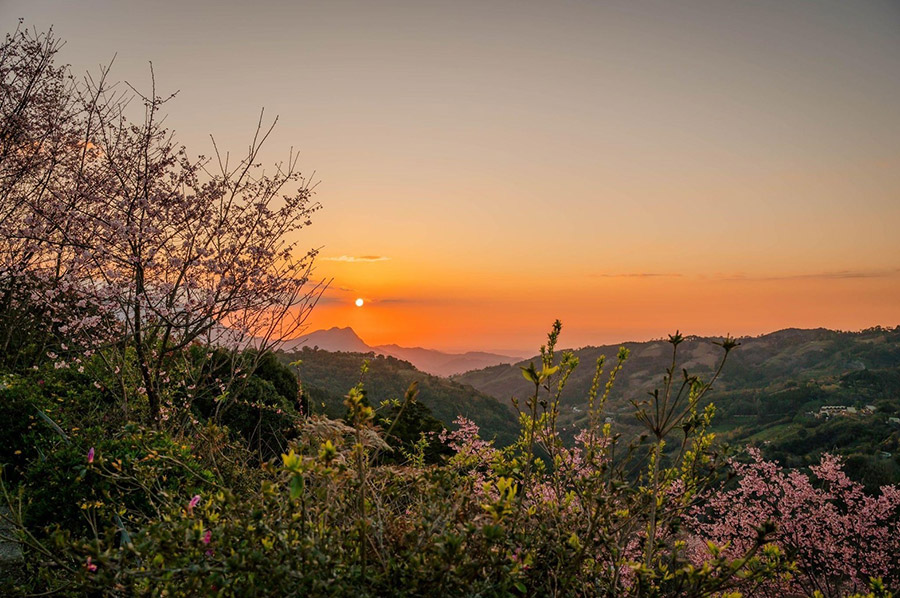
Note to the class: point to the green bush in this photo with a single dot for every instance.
(132, 475)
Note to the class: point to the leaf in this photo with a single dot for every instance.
(53, 425)
(296, 486)
(529, 373)
(548, 371)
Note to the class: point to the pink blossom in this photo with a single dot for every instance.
(90, 455)
(90, 566)
(194, 502)
(839, 535)
(207, 537)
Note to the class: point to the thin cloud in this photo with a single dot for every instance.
(326, 300)
(357, 258)
(834, 275)
(639, 275)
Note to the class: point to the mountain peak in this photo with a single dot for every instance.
(332, 339)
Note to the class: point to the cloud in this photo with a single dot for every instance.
(740, 277)
(326, 300)
(638, 275)
(357, 258)
(833, 275)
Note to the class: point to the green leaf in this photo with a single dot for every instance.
(529, 373)
(547, 372)
(296, 486)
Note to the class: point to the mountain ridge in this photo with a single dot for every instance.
(431, 361)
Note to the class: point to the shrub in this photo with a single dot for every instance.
(93, 480)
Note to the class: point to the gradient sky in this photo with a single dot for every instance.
(485, 167)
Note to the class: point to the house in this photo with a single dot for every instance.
(829, 410)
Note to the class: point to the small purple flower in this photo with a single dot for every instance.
(90, 566)
(207, 537)
(90, 455)
(194, 502)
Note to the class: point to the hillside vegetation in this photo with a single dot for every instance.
(767, 394)
(326, 376)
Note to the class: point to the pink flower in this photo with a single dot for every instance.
(194, 502)
(90, 455)
(90, 566)
(207, 537)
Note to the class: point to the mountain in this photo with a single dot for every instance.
(444, 364)
(433, 362)
(770, 392)
(333, 339)
(769, 360)
(326, 378)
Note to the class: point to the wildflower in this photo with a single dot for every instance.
(194, 502)
(90, 566)
(207, 537)
(90, 455)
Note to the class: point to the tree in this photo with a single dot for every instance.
(138, 250)
(839, 536)
(40, 134)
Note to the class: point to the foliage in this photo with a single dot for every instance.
(839, 536)
(336, 518)
(326, 376)
(768, 394)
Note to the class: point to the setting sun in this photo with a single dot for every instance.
(359, 302)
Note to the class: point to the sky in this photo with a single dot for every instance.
(485, 167)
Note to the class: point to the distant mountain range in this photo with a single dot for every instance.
(430, 361)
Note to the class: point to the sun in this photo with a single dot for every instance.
(359, 302)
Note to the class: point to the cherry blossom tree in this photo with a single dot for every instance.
(40, 133)
(139, 251)
(839, 536)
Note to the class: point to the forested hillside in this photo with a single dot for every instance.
(769, 392)
(327, 376)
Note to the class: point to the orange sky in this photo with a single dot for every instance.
(630, 167)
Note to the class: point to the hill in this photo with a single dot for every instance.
(769, 393)
(328, 376)
(444, 364)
